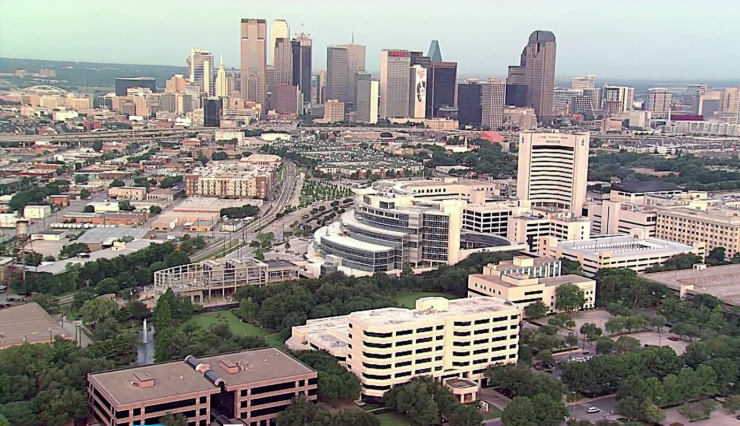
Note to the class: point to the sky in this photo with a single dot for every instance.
(640, 39)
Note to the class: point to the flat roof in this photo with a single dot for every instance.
(280, 264)
(60, 266)
(178, 378)
(460, 307)
(624, 246)
(202, 204)
(48, 232)
(104, 235)
(722, 282)
(29, 321)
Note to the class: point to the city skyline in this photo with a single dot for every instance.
(614, 46)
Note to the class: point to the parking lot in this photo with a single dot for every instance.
(598, 317)
(719, 418)
(653, 338)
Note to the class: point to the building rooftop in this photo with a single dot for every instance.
(27, 323)
(60, 266)
(623, 246)
(645, 187)
(398, 316)
(209, 205)
(106, 236)
(722, 282)
(177, 378)
(333, 233)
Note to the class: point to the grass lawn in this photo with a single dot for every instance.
(495, 413)
(393, 418)
(408, 300)
(276, 340)
(226, 317)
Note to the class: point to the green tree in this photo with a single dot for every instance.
(465, 415)
(717, 256)
(536, 310)
(569, 298)
(155, 210)
(591, 331)
(519, 412)
(732, 404)
(4, 421)
(549, 411)
(95, 310)
(97, 146)
(162, 315)
(247, 309)
(174, 420)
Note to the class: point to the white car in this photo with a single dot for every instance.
(592, 410)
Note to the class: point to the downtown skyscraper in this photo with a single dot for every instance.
(201, 70)
(536, 71)
(356, 64)
(395, 83)
(253, 60)
(337, 73)
(302, 47)
(279, 29)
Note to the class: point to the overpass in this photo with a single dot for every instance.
(150, 134)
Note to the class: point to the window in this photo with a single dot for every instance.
(497, 329)
(403, 374)
(380, 335)
(137, 411)
(403, 353)
(460, 343)
(203, 399)
(403, 343)
(423, 329)
(376, 366)
(376, 356)
(481, 331)
(480, 341)
(440, 327)
(404, 332)
(482, 321)
(374, 387)
(498, 339)
(423, 371)
(480, 361)
(439, 337)
(498, 358)
(439, 348)
(377, 345)
(460, 363)
(461, 333)
(499, 319)
(480, 351)
(423, 350)
(423, 360)
(514, 326)
(498, 348)
(438, 368)
(438, 358)
(466, 353)
(403, 364)
(376, 377)
(462, 323)
(424, 340)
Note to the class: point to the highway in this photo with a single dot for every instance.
(108, 135)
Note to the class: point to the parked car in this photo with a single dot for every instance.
(592, 410)
(673, 338)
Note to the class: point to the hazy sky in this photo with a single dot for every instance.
(657, 39)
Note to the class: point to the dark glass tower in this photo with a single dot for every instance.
(302, 47)
(469, 108)
(441, 85)
(212, 111)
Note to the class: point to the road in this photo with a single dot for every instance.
(607, 405)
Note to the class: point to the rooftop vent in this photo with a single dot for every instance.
(143, 380)
(229, 366)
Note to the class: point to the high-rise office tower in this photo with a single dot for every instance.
(253, 60)
(176, 84)
(278, 29)
(730, 100)
(562, 99)
(367, 98)
(469, 106)
(200, 68)
(283, 60)
(493, 97)
(707, 102)
(435, 54)
(617, 99)
(417, 91)
(356, 59)
(212, 110)
(418, 58)
(516, 86)
(302, 47)
(659, 99)
(553, 169)
(222, 82)
(441, 82)
(394, 83)
(337, 73)
(583, 82)
(321, 88)
(537, 63)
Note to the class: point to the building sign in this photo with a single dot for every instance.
(398, 54)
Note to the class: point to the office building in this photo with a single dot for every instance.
(563, 99)
(394, 83)
(222, 82)
(595, 95)
(469, 104)
(337, 73)
(717, 227)
(356, 60)
(333, 111)
(418, 58)
(730, 100)
(636, 251)
(416, 223)
(278, 30)
(553, 169)
(707, 102)
(301, 47)
(367, 98)
(522, 118)
(441, 84)
(445, 339)
(285, 100)
(176, 84)
(283, 60)
(252, 386)
(125, 83)
(435, 54)
(516, 85)
(617, 99)
(201, 70)
(253, 60)
(212, 110)
(537, 67)
(418, 94)
(321, 87)
(525, 280)
(583, 82)
(659, 100)
(493, 97)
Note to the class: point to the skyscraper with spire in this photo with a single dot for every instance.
(222, 82)
(302, 47)
(435, 55)
(356, 60)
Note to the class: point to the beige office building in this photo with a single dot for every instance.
(526, 280)
(521, 117)
(279, 29)
(636, 251)
(283, 52)
(356, 58)
(730, 101)
(553, 169)
(395, 83)
(659, 100)
(492, 102)
(366, 99)
(583, 82)
(333, 111)
(531, 226)
(445, 339)
(717, 227)
(253, 60)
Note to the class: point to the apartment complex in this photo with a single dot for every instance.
(252, 387)
(526, 280)
(445, 339)
(236, 179)
(636, 251)
(552, 169)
